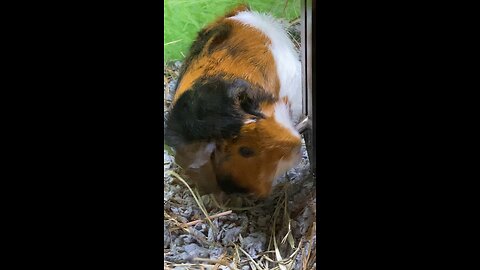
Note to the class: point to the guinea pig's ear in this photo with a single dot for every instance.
(249, 98)
(195, 159)
(194, 155)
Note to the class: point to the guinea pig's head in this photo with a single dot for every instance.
(264, 149)
(232, 136)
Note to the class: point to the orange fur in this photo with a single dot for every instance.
(245, 54)
(272, 141)
(255, 64)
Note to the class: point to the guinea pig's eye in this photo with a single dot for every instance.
(246, 152)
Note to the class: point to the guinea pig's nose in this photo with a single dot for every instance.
(228, 185)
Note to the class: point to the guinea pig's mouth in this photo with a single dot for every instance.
(227, 185)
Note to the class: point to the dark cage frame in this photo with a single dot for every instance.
(307, 126)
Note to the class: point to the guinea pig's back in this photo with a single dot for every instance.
(250, 46)
(286, 59)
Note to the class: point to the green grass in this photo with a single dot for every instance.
(184, 18)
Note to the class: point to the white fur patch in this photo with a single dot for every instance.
(286, 58)
(282, 117)
(202, 156)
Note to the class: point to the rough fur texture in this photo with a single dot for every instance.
(235, 92)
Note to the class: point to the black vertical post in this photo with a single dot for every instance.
(308, 85)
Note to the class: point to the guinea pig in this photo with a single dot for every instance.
(236, 103)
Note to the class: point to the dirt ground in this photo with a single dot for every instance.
(243, 233)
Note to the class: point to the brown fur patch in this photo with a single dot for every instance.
(239, 8)
(244, 54)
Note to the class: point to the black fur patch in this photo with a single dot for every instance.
(250, 97)
(233, 49)
(204, 112)
(229, 186)
(221, 33)
(213, 109)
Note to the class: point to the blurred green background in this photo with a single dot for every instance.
(184, 18)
